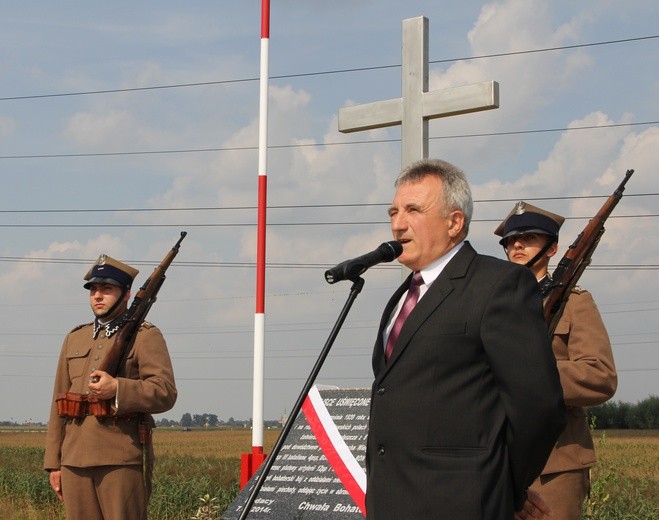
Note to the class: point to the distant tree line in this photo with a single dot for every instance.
(643, 415)
(210, 420)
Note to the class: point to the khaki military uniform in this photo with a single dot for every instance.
(588, 376)
(82, 446)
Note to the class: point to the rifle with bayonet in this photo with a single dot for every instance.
(576, 259)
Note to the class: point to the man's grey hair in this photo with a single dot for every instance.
(457, 193)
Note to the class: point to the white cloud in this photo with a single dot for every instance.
(32, 270)
(528, 82)
(100, 129)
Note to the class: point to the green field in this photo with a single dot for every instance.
(193, 464)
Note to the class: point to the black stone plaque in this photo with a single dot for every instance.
(304, 483)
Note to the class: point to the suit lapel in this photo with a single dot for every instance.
(434, 297)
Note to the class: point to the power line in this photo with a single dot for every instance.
(299, 206)
(323, 73)
(318, 145)
(285, 265)
(270, 224)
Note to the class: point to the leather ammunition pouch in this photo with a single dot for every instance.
(77, 406)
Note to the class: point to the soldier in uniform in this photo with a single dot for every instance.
(529, 236)
(100, 465)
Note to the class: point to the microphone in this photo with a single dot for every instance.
(350, 269)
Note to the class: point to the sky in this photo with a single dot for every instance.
(123, 124)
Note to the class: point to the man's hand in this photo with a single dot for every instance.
(102, 385)
(55, 479)
(534, 507)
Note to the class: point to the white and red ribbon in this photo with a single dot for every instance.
(339, 456)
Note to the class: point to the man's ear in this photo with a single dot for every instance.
(456, 223)
(552, 250)
(127, 296)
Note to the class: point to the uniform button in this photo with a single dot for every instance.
(92, 369)
(99, 347)
(380, 449)
(380, 391)
(96, 358)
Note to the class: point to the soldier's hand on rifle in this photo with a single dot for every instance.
(102, 385)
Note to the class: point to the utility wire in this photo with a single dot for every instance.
(337, 71)
(319, 145)
(252, 224)
(299, 206)
(327, 72)
(285, 265)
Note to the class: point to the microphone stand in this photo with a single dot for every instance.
(358, 284)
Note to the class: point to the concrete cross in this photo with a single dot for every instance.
(416, 106)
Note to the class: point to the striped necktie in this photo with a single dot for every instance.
(409, 303)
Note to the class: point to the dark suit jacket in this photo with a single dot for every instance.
(469, 406)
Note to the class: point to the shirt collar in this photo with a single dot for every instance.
(432, 271)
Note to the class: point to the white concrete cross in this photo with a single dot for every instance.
(416, 106)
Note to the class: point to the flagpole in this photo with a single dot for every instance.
(250, 462)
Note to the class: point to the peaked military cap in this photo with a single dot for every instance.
(110, 271)
(526, 218)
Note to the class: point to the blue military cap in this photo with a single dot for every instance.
(110, 271)
(526, 218)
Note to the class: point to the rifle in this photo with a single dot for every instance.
(136, 314)
(576, 259)
(71, 404)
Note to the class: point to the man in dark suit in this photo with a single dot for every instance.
(466, 404)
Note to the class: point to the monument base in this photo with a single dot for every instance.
(319, 472)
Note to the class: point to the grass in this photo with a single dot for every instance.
(205, 464)
(625, 482)
(189, 465)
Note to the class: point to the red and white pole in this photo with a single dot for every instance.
(250, 462)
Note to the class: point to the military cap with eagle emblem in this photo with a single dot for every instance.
(526, 218)
(110, 271)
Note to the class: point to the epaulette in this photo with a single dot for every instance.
(78, 327)
(147, 325)
(578, 289)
